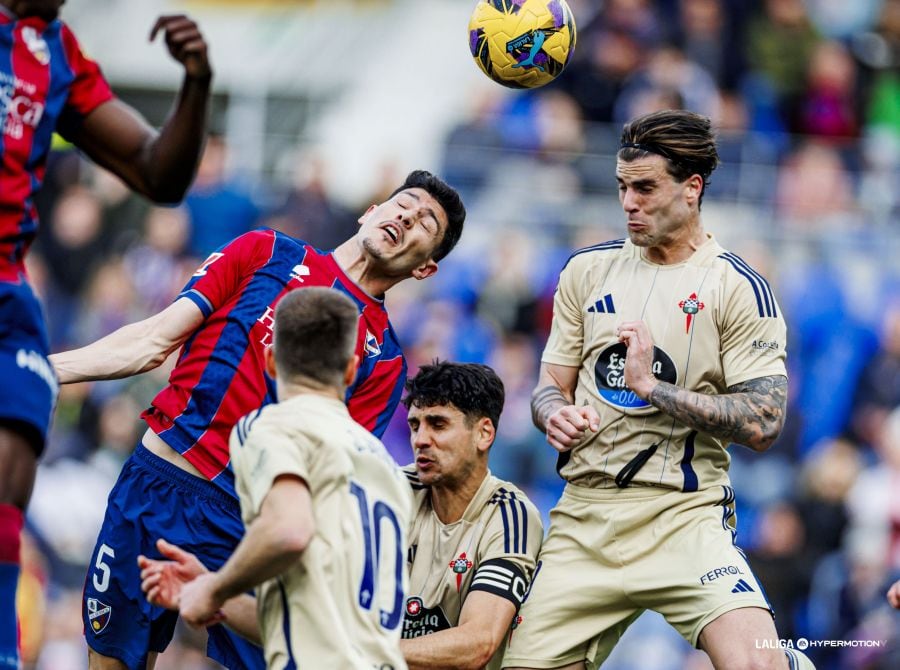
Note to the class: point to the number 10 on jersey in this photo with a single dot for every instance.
(375, 520)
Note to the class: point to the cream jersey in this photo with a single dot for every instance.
(714, 323)
(492, 548)
(341, 605)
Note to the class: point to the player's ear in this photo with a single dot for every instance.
(270, 361)
(486, 434)
(425, 270)
(694, 187)
(362, 219)
(350, 371)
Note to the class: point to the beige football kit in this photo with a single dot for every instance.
(646, 520)
(342, 604)
(492, 548)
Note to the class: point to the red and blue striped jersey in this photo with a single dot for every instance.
(220, 374)
(46, 84)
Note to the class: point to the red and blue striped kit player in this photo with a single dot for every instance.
(47, 85)
(220, 373)
(177, 484)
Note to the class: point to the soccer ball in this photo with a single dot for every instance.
(522, 43)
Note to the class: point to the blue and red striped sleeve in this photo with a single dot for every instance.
(220, 276)
(89, 89)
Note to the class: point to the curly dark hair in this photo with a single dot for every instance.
(474, 389)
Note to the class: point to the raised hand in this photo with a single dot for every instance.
(185, 42)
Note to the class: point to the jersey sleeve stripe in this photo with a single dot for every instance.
(515, 524)
(503, 516)
(765, 303)
(767, 290)
(604, 246)
(200, 300)
(286, 629)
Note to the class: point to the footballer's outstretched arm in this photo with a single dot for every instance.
(160, 165)
(163, 580)
(132, 349)
(483, 625)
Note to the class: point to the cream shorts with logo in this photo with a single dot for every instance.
(613, 553)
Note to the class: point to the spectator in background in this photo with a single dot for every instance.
(158, 265)
(779, 561)
(878, 391)
(220, 210)
(72, 245)
(780, 43)
(827, 107)
(814, 188)
(307, 211)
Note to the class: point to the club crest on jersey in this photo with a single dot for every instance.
(690, 306)
(98, 615)
(460, 566)
(36, 45)
(372, 346)
(414, 606)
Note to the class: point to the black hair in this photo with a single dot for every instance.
(474, 389)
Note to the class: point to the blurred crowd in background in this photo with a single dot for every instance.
(806, 96)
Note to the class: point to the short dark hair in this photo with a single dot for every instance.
(315, 334)
(447, 198)
(474, 389)
(683, 138)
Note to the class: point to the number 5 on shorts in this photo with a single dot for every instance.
(103, 570)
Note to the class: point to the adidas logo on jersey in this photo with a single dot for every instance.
(742, 587)
(603, 306)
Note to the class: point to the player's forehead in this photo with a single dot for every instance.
(448, 412)
(641, 169)
(423, 198)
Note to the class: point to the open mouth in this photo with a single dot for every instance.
(393, 232)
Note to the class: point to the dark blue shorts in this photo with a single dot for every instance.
(154, 499)
(29, 386)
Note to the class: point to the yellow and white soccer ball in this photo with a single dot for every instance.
(522, 43)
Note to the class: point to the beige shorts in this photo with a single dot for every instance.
(612, 553)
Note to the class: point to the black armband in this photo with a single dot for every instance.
(502, 578)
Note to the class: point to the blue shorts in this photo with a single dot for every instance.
(29, 387)
(154, 499)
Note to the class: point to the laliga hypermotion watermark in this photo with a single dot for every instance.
(803, 643)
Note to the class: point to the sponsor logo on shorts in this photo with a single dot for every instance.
(609, 374)
(34, 362)
(98, 615)
(713, 575)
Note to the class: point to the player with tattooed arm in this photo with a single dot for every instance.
(664, 349)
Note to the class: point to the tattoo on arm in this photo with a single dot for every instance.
(751, 413)
(544, 402)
